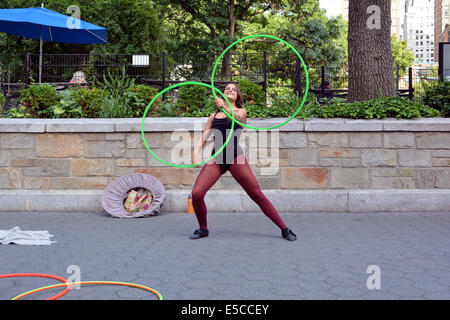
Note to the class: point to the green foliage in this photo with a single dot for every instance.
(403, 57)
(389, 107)
(191, 99)
(438, 97)
(115, 107)
(19, 112)
(252, 92)
(115, 83)
(66, 107)
(90, 100)
(37, 98)
(2, 101)
(139, 97)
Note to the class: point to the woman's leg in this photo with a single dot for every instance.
(242, 172)
(207, 177)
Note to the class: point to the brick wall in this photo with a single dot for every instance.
(41, 154)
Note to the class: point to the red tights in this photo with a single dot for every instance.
(243, 174)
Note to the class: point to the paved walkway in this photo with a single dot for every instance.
(243, 258)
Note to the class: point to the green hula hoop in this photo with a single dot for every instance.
(179, 85)
(298, 55)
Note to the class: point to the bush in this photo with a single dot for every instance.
(388, 107)
(438, 97)
(2, 101)
(115, 107)
(252, 93)
(191, 100)
(37, 98)
(139, 96)
(90, 100)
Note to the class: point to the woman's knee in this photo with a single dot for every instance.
(197, 194)
(257, 195)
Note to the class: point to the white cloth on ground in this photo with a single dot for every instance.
(17, 236)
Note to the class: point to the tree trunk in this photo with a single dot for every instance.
(226, 64)
(370, 60)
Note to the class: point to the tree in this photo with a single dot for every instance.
(370, 59)
(403, 57)
(210, 26)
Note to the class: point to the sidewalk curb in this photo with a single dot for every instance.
(286, 201)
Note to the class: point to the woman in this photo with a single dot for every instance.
(238, 166)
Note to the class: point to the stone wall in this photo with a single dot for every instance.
(318, 154)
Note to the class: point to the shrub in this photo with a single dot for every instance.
(2, 101)
(139, 96)
(252, 93)
(115, 107)
(90, 100)
(191, 99)
(38, 98)
(438, 97)
(387, 107)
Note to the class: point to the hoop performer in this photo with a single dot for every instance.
(238, 165)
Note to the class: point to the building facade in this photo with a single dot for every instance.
(418, 29)
(441, 24)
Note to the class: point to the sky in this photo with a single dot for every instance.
(332, 7)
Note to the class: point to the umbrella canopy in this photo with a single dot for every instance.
(48, 25)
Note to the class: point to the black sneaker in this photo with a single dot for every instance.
(199, 233)
(288, 234)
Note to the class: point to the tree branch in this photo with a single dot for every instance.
(195, 14)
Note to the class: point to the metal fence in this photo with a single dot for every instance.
(277, 72)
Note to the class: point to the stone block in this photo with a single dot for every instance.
(21, 153)
(57, 145)
(414, 158)
(104, 149)
(17, 140)
(303, 157)
(36, 183)
(49, 168)
(153, 140)
(393, 183)
(349, 178)
(441, 162)
(5, 158)
(10, 178)
(399, 140)
(392, 172)
(92, 167)
(366, 140)
(130, 162)
(433, 140)
(339, 153)
(378, 157)
(303, 178)
(293, 140)
(328, 139)
(171, 175)
(430, 178)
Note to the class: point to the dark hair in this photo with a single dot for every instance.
(240, 99)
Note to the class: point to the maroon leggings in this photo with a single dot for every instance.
(243, 174)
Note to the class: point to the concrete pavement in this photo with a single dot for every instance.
(337, 256)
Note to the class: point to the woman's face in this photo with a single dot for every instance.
(231, 92)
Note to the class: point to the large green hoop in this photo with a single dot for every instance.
(298, 55)
(179, 85)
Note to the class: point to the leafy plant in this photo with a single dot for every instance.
(39, 97)
(438, 97)
(252, 93)
(139, 96)
(2, 101)
(115, 107)
(190, 100)
(90, 100)
(116, 85)
(19, 112)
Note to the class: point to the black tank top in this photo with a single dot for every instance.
(224, 126)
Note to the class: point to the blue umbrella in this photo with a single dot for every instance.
(47, 25)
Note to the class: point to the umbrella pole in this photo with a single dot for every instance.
(40, 60)
(41, 43)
